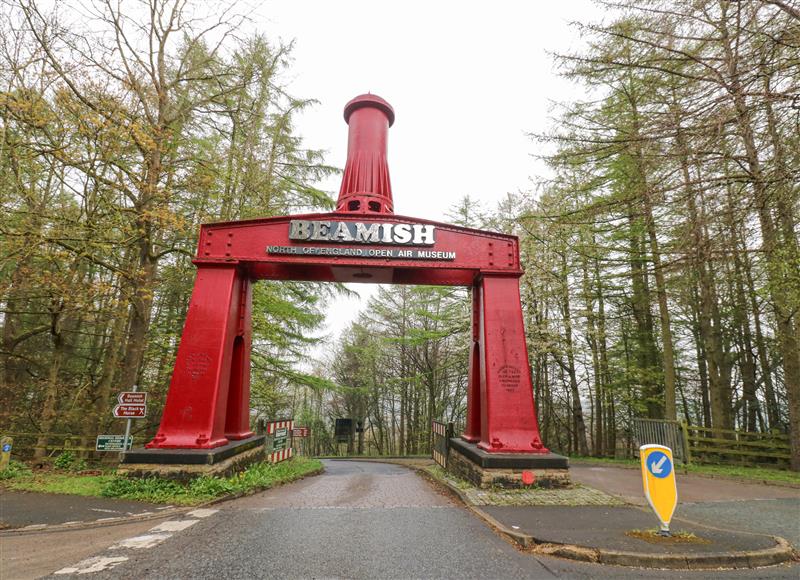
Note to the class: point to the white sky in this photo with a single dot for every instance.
(467, 81)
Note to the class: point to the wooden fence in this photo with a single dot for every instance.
(26, 444)
(694, 444)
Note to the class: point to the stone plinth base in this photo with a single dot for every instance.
(185, 464)
(486, 470)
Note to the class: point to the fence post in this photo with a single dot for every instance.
(687, 453)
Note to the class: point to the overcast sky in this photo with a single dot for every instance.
(467, 81)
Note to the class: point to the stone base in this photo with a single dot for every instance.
(185, 464)
(491, 470)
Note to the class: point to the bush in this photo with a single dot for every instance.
(79, 465)
(65, 460)
(15, 469)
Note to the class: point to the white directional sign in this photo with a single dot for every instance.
(132, 398)
(132, 405)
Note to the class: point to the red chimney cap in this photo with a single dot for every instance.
(369, 100)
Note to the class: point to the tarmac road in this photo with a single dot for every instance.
(358, 520)
(737, 505)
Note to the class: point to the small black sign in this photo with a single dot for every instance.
(343, 429)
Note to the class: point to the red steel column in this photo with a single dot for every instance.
(508, 414)
(195, 413)
(237, 421)
(472, 433)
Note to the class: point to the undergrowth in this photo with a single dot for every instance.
(157, 490)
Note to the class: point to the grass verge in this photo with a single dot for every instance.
(654, 537)
(441, 475)
(755, 474)
(156, 490)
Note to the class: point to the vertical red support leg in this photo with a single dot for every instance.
(237, 421)
(195, 415)
(472, 433)
(508, 414)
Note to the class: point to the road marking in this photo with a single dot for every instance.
(173, 526)
(105, 511)
(202, 513)
(348, 507)
(96, 564)
(139, 542)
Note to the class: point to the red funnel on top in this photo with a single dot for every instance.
(366, 187)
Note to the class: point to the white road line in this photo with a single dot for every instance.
(173, 526)
(96, 564)
(105, 511)
(202, 513)
(139, 542)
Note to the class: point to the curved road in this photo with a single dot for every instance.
(357, 520)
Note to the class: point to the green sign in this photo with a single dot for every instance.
(281, 439)
(112, 443)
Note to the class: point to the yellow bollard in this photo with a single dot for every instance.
(5, 454)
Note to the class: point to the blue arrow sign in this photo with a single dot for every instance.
(659, 464)
(6, 448)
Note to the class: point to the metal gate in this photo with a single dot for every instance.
(441, 433)
(661, 432)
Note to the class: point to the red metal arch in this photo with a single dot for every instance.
(208, 400)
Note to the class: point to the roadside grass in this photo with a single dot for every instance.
(755, 474)
(61, 483)
(157, 490)
(653, 536)
(440, 474)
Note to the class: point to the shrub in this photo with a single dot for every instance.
(65, 460)
(78, 465)
(15, 469)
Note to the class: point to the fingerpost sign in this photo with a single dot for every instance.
(658, 479)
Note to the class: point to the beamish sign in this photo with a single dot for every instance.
(362, 252)
(363, 233)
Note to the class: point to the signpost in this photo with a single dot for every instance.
(113, 443)
(301, 432)
(658, 479)
(132, 405)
